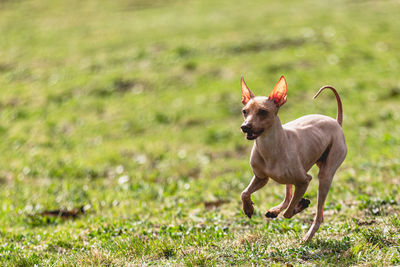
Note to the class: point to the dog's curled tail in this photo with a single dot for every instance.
(339, 116)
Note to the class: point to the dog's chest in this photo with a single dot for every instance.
(274, 168)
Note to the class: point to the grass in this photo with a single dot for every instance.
(131, 110)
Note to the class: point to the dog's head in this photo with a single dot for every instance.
(260, 112)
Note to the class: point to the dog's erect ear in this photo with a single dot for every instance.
(278, 94)
(246, 93)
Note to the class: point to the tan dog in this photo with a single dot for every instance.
(286, 152)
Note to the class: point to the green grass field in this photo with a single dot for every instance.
(131, 109)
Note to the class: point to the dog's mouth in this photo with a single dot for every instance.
(250, 135)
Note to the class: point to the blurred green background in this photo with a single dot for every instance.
(131, 109)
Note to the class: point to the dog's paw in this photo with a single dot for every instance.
(302, 205)
(248, 208)
(270, 214)
(307, 238)
(288, 214)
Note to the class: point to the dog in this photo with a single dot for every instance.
(286, 152)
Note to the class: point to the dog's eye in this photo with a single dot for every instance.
(262, 112)
(244, 111)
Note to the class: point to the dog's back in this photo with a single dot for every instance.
(313, 135)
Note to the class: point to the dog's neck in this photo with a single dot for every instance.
(273, 141)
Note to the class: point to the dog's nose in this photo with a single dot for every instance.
(245, 128)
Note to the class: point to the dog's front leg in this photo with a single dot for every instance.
(300, 189)
(255, 184)
(274, 212)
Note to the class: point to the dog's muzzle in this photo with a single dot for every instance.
(250, 134)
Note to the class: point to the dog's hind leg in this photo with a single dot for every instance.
(274, 212)
(325, 176)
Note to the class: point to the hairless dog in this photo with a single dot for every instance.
(286, 152)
